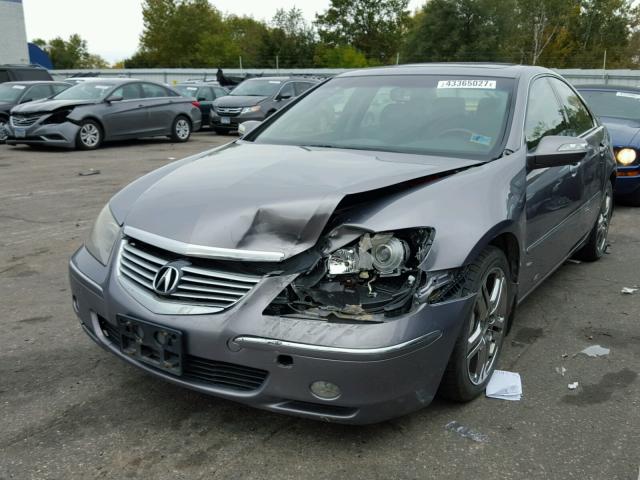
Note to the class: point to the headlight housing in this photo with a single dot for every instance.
(255, 108)
(103, 236)
(373, 278)
(59, 116)
(626, 156)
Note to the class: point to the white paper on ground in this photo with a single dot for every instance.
(504, 385)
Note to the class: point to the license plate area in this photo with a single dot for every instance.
(20, 132)
(225, 120)
(152, 344)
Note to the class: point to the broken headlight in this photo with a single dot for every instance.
(59, 116)
(374, 277)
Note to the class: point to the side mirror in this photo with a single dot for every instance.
(283, 96)
(557, 151)
(246, 127)
(202, 99)
(114, 98)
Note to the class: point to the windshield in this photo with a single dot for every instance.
(85, 91)
(619, 104)
(257, 88)
(11, 93)
(186, 90)
(423, 114)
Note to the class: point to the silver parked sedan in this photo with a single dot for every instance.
(101, 110)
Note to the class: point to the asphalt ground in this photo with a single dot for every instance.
(69, 410)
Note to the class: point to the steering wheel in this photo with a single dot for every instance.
(450, 131)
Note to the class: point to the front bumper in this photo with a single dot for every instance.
(627, 181)
(383, 370)
(234, 121)
(56, 134)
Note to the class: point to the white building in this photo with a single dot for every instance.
(13, 33)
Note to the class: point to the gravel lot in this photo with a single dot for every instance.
(69, 410)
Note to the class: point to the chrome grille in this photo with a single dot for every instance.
(229, 110)
(197, 285)
(24, 120)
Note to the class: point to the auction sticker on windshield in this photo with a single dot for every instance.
(489, 84)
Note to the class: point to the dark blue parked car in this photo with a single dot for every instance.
(619, 110)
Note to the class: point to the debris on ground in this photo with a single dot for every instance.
(171, 158)
(466, 432)
(629, 290)
(574, 261)
(573, 386)
(91, 171)
(596, 351)
(561, 371)
(565, 355)
(504, 385)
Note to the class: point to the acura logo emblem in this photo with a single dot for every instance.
(166, 281)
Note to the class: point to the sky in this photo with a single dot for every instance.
(112, 27)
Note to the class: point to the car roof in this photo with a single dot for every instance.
(285, 78)
(504, 70)
(198, 84)
(36, 82)
(615, 88)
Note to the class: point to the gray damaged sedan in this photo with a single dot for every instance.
(358, 252)
(99, 110)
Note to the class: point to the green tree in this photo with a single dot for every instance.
(72, 53)
(458, 30)
(341, 56)
(290, 38)
(180, 33)
(374, 27)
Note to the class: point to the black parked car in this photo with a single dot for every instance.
(205, 93)
(15, 93)
(256, 99)
(10, 73)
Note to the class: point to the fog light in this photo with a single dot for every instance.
(325, 390)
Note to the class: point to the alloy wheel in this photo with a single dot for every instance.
(487, 325)
(89, 135)
(182, 129)
(604, 217)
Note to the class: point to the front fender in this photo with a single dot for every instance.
(467, 210)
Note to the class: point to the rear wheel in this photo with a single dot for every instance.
(479, 344)
(89, 136)
(181, 130)
(598, 240)
(4, 123)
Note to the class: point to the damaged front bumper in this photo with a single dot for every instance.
(383, 370)
(56, 134)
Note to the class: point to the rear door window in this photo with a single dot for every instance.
(151, 90)
(4, 76)
(130, 91)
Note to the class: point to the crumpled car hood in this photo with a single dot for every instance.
(49, 105)
(263, 197)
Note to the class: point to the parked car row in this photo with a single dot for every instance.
(101, 110)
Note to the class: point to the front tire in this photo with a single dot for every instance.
(479, 344)
(89, 136)
(4, 134)
(596, 245)
(181, 129)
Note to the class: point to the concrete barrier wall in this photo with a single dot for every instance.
(175, 75)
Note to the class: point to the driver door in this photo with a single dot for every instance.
(126, 117)
(554, 195)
